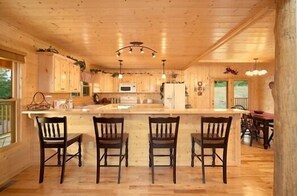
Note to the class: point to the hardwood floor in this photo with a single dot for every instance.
(253, 177)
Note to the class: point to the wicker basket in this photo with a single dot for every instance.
(38, 102)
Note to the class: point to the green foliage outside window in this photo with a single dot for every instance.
(5, 83)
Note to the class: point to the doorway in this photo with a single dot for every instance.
(229, 92)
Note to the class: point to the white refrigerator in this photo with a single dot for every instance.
(174, 95)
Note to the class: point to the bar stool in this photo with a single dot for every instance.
(163, 135)
(109, 134)
(53, 134)
(214, 135)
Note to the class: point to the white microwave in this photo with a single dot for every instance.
(127, 87)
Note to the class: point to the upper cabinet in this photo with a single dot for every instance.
(57, 74)
(74, 74)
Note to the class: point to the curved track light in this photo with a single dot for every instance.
(136, 44)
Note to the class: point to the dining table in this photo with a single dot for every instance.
(266, 119)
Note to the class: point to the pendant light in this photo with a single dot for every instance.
(120, 74)
(255, 72)
(163, 73)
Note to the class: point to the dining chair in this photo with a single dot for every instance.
(246, 125)
(163, 132)
(241, 107)
(214, 135)
(53, 134)
(109, 134)
(256, 127)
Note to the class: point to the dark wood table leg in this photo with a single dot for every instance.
(266, 135)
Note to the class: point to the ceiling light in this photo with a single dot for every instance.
(163, 72)
(255, 72)
(136, 44)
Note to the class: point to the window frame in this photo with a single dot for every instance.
(16, 76)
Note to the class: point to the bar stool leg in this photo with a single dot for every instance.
(120, 161)
(63, 165)
(79, 152)
(225, 166)
(98, 166)
(41, 170)
(174, 167)
(202, 165)
(192, 152)
(126, 151)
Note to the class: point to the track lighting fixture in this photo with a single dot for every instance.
(136, 44)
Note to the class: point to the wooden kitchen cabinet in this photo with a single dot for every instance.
(74, 74)
(57, 74)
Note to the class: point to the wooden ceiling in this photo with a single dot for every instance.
(184, 32)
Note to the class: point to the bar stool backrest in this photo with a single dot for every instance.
(215, 130)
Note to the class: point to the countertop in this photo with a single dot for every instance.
(135, 109)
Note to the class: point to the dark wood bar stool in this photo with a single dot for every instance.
(53, 134)
(109, 134)
(163, 135)
(214, 135)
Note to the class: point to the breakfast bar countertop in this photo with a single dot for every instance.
(135, 109)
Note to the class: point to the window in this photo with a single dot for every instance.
(230, 92)
(220, 94)
(8, 103)
(241, 92)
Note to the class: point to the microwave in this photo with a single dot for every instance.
(127, 87)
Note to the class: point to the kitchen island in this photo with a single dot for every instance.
(136, 124)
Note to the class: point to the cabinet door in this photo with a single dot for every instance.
(74, 77)
(61, 75)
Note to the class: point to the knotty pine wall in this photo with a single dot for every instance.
(259, 92)
(19, 156)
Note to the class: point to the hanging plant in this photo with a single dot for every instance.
(162, 91)
(115, 75)
(81, 64)
(50, 49)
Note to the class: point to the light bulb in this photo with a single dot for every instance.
(163, 76)
(262, 72)
(120, 76)
(255, 72)
(249, 73)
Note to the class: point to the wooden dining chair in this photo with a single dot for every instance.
(256, 128)
(163, 133)
(109, 134)
(246, 124)
(214, 135)
(53, 134)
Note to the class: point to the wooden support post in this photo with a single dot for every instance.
(285, 95)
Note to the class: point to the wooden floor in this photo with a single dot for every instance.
(253, 177)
